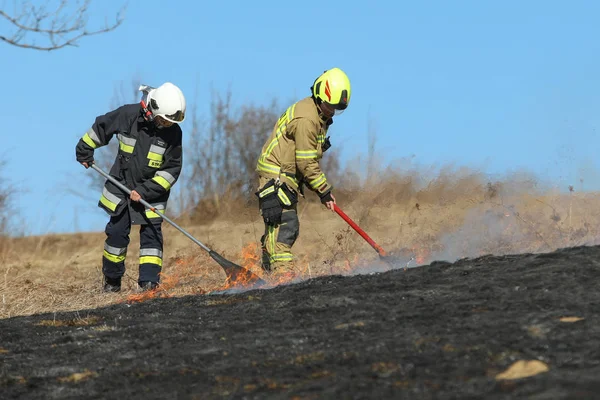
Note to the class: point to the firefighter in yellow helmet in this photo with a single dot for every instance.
(290, 159)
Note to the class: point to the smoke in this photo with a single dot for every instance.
(491, 231)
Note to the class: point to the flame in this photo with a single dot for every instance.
(198, 275)
(351, 266)
(251, 262)
(167, 282)
(143, 296)
(250, 255)
(422, 255)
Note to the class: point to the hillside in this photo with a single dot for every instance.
(522, 326)
(447, 219)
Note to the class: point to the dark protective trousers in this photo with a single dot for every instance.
(116, 243)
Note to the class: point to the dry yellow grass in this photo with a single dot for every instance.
(448, 218)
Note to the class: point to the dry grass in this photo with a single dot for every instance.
(448, 216)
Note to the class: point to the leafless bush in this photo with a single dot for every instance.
(56, 24)
(5, 200)
(104, 157)
(223, 155)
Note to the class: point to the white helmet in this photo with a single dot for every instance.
(166, 101)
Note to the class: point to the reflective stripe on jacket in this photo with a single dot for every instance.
(148, 160)
(294, 148)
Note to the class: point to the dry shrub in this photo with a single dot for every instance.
(425, 216)
(7, 192)
(420, 213)
(222, 158)
(450, 213)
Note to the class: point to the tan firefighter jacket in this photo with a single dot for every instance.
(294, 149)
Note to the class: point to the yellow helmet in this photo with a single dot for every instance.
(333, 88)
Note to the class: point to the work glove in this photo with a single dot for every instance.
(326, 197)
(84, 156)
(301, 188)
(86, 162)
(326, 144)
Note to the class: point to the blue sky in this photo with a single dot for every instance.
(498, 86)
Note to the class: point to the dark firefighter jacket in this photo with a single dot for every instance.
(148, 161)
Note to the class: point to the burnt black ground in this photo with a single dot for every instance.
(440, 331)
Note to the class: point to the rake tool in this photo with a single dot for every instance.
(233, 271)
(382, 253)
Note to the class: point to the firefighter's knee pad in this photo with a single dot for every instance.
(289, 230)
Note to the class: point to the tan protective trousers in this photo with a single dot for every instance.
(277, 241)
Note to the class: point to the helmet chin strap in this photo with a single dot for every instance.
(147, 113)
(148, 116)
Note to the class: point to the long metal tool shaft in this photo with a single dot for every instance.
(232, 270)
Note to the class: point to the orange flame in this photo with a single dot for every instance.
(250, 262)
(167, 282)
(422, 255)
(351, 266)
(195, 268)
(250, 255)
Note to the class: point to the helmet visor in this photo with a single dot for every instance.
(341, 105)
(176, 117)
(336, 109)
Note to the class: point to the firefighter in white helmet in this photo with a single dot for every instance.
(149, 163)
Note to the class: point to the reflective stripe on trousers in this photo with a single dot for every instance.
(278, 240)
(117, 240)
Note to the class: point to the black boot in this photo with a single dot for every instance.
(147, 285)
(112, 285)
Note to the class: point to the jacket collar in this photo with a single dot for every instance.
(326, 121)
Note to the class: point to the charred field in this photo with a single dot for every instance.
(489, 327)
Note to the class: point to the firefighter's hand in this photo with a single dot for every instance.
(329, 201)
(331, 204)
(87, 164)
(135, 196)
